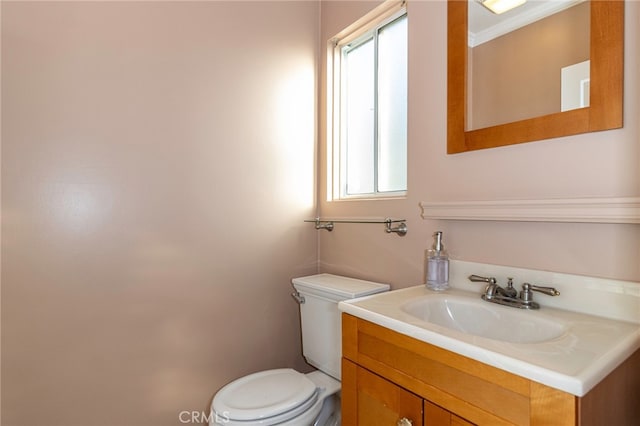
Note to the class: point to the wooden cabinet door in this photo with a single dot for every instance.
(438, 416)
(370, 400)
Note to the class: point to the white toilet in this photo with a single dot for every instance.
(285, 396)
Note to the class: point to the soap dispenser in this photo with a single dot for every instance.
(437, 265)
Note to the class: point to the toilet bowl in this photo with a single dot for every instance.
(285, 396)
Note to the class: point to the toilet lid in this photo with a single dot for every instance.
(264, 394)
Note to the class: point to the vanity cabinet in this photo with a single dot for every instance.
(387, 376)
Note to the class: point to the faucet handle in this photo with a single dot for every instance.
(479, 279)
(527, 288)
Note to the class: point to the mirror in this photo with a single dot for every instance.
(469, 128)
(507, 80)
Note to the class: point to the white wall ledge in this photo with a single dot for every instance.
(578, 210)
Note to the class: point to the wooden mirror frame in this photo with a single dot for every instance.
(604, 112)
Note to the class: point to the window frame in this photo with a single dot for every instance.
(356, 34)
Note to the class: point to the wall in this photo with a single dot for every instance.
(157, 164)
(603, 164)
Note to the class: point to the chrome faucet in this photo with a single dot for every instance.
(508, 296)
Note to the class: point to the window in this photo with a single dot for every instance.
(369, 116)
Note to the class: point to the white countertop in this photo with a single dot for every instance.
(590, 348)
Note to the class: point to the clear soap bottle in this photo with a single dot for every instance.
(437, 265)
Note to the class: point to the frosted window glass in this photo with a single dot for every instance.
(360, 103)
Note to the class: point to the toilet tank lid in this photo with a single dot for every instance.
(344, 287)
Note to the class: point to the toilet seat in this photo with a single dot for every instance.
(266, 398)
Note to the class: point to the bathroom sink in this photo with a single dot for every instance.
(571, 343)
(478, 318)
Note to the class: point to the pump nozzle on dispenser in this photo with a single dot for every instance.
(437, 243)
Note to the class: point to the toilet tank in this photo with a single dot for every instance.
(320, 318)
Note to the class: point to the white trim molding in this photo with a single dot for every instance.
(579, 210)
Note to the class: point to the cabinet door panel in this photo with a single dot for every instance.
(459, 421)
(378, 401)
(438, 416)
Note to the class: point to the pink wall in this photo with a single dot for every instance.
(604, 164)
(157, 165)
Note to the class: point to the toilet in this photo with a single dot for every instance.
(285, 396)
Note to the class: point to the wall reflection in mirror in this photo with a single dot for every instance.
(527, 62)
